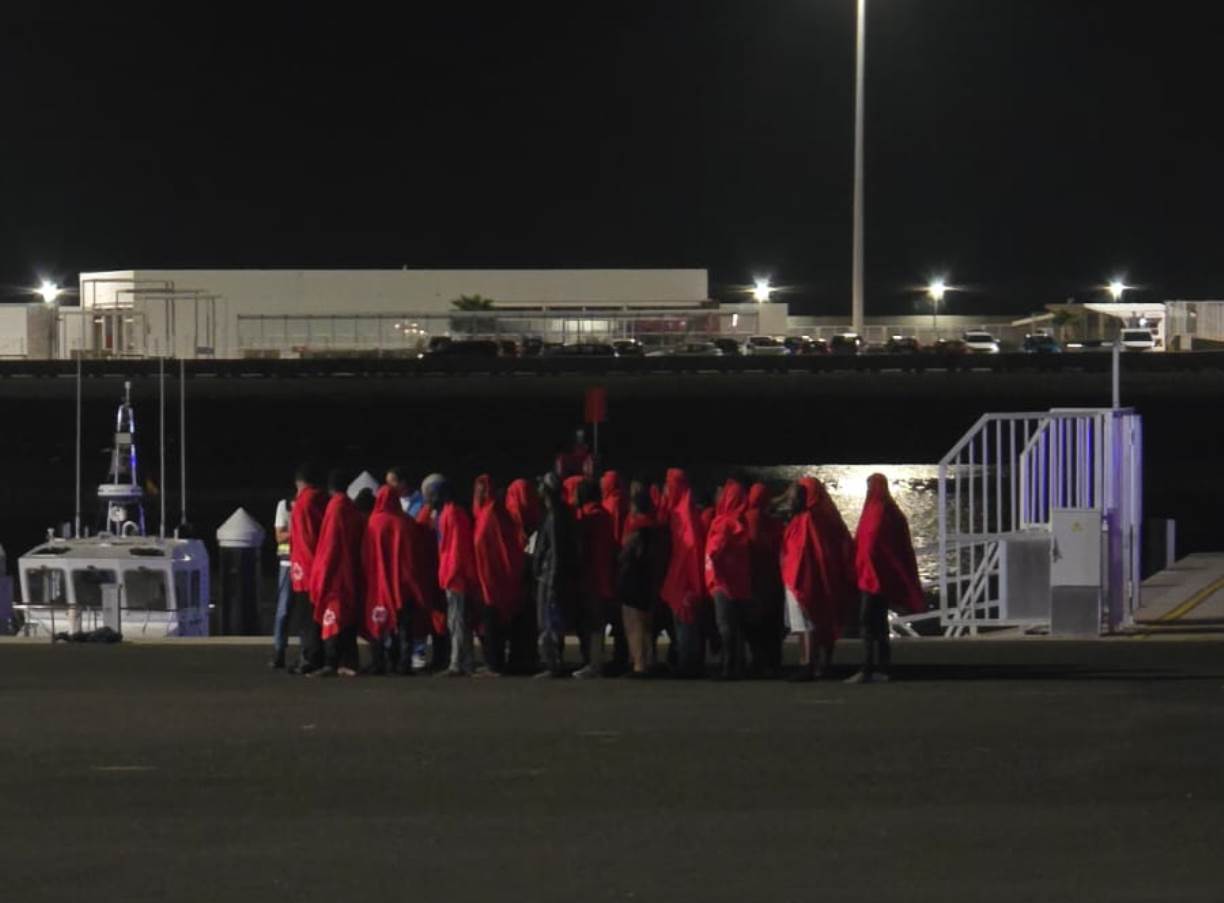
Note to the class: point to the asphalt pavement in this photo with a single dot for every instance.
(990, 770)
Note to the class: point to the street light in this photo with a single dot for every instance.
(761, 291)
(936, 291)
(1116, 289)
(49, 291)
(860, 72)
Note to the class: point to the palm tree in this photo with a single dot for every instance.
(473, 325)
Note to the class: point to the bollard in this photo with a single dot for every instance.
(240, 539)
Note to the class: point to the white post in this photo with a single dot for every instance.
(1117, 372)
(860, 70)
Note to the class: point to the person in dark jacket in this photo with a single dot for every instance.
(555, 565)
(641, 567)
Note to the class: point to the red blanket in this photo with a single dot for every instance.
(499, 554)
(683, 587)
(884, 553)
(335, 586)
(304, 524)
(728, 563)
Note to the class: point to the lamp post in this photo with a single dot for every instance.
(762, 291)
(936, 291)
(860, 71)
(1117, 287)
(50, 293)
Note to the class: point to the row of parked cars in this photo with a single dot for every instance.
(973, 342)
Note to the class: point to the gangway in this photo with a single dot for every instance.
(1039, 523)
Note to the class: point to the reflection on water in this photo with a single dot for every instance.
(914, 486)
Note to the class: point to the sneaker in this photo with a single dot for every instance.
(453, 672)
(277, 663)
(866, 677)
(545, 674)
(586, 673)
(486, 673)
(325, 671)
(347, 672)
(301, 670)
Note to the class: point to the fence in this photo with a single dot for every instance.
(1002, 489)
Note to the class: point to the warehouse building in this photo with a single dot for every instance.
(269, 313)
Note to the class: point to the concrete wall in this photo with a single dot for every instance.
(26, 330)
(195, 312)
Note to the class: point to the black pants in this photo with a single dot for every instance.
(873, 615)
(524, 648)
(728, 614)
(396, 647)
(493, 639)
(311, 638)
(340, 651)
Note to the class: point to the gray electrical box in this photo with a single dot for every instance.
(112, 607)
(1024, 575)
(1075, 572)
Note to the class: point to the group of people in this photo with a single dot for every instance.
(420, 575)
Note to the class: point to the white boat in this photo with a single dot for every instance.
(161, 585)
(154, 586)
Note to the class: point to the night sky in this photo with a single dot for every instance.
(1028, 148)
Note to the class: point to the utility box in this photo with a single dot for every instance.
(1075, 572)
(1024, 575)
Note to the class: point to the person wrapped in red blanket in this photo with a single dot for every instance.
(394, 590)
(728, 573)
(335, 580)
(817, 573)
(499, 568)
(887, 575)
(684, 586)
(305, 520)
(456, 574)
(597, 576)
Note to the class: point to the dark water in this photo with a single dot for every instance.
(245, 437)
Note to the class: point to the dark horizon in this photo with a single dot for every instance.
(1029, 151)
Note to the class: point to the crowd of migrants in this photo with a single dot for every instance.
(417, 572)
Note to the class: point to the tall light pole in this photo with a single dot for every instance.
(50, 293)
(936, 291)
(860, 71)
(1117, 287)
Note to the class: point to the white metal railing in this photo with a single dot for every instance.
(1003, 481)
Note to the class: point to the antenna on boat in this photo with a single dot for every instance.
(161, 377)
(182, 442)
(76, 519)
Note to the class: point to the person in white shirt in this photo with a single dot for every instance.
(284, 589)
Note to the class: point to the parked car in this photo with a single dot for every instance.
(628, 348)
(802, 344)
(846, 343)
(463, 348)
(1138, 340)
(980, 343)
(581, 349)
(531, 347)
(902, 344)
(509, 348)
(1041, 343)
(949, 347)
(689, 349)
(729, 347)
(765, 346)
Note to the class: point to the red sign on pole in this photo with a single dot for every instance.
(596, 405)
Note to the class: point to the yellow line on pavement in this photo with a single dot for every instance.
(1192, 603)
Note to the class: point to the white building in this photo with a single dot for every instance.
(236, 313)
